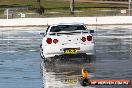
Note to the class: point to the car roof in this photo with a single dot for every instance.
(67, 24)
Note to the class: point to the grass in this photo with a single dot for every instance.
(61, 7)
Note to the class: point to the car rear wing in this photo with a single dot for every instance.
(71, 32)
(68, 32)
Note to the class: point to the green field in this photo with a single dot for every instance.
(60, 8)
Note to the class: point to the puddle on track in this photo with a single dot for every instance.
(20, 59)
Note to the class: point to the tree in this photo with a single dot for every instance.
(72, 7)
(40, 8)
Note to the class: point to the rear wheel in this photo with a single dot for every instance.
(49, 59)
(42, 56)
(53, 59)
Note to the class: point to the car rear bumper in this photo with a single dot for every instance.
(56, 50)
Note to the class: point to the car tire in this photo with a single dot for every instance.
(48, 59)
(53, 59)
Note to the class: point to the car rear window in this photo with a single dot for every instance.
(67, 28)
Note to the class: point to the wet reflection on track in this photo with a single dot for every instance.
(66, 73)
(20, 59)
(113, 61)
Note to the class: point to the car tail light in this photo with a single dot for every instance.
(49, 40)
(55, 41)
(89, 38)
(83, 39)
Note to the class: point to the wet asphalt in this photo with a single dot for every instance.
(22, 67)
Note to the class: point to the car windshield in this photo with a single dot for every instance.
(67, 28)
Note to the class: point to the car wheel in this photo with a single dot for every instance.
(42, 56)
(53, 59)
(49, 59)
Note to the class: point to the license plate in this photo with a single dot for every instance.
(69, 51)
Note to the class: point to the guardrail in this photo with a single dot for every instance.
(47, 21)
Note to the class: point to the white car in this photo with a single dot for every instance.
(67, 39)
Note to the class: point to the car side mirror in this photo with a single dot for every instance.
(91, 31)
(43, 34)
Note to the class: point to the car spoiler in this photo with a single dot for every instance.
(70, 32)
